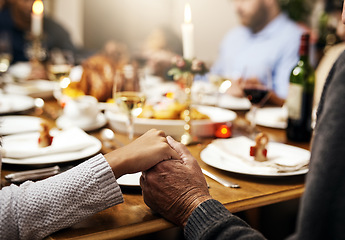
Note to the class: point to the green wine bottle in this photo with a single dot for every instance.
(300, 98)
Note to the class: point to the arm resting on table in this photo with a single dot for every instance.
(211, 220)
(35, 210)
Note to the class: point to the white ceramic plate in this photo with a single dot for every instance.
(204, 93)
(59, 157)
(201, 128)
(11, 103)
(273, 117)
(64, 123)
(234, 103)
(20, 70)
(32, 88)
(18, 124)
(130, 180)
(232, 163)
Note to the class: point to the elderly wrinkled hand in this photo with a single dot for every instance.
(174, 188)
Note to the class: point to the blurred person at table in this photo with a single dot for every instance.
(15, 18)
(186, 200)
(266, 41)
(159, 48)
(34, 210)
(333, 9)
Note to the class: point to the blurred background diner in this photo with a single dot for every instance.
(80, 27)
(116, 69)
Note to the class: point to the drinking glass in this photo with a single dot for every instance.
(222, 84)
(5, 56)
(59, 67)
(127, 95)
(258, 91)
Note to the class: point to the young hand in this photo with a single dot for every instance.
(141, 154)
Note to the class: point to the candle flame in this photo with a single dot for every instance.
(37, 7)
(187, 14)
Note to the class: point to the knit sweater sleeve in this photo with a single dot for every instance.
(211, 220)
(34, 210)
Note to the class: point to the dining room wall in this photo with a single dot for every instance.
(93, 23)
(70, 15)
(131, 21)
(126, 21)
(211, 20)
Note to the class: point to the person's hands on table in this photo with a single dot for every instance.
(174, 188)
(239, 85)
(141, 154)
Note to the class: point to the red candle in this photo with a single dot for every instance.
(223, 131)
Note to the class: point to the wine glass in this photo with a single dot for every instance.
(59, 67)
(258, 91)
(127, 95)
(5, 56)
(222, 84)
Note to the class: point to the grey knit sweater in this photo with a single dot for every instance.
(322, 211)
(35, 210)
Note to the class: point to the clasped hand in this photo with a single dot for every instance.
(141, 154)
(174, 188)
(172, 182)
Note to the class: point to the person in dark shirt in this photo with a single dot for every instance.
(15, 20)
(187, 202)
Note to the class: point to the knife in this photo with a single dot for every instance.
(222, 181)
(32, 174)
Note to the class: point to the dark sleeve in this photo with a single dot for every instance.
(56, 36)
(211, 220)
(322, 210)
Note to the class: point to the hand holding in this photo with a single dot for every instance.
(236, 88)
(141, 154)
(252, 82)
(174, 188)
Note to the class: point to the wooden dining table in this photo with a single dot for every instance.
(133, 218)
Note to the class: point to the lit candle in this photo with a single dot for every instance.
(37, 18)
(188, 34)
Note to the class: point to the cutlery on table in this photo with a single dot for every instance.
(42, 109)
(32, 174)
(222, 181)
(108, 137)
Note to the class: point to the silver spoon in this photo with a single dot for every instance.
(39, 104)
(108, 138)
(41, 109)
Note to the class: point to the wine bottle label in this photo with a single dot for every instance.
(294, 101)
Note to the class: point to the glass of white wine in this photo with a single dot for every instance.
(59, 67)
(127, 95)
(5, 56)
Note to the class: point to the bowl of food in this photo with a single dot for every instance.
(204, 121)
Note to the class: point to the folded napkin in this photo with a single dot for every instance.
(26, 145)
(282, 158)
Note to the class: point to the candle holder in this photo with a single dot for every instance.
(183, 71)
(187, 137)
(35, 51)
